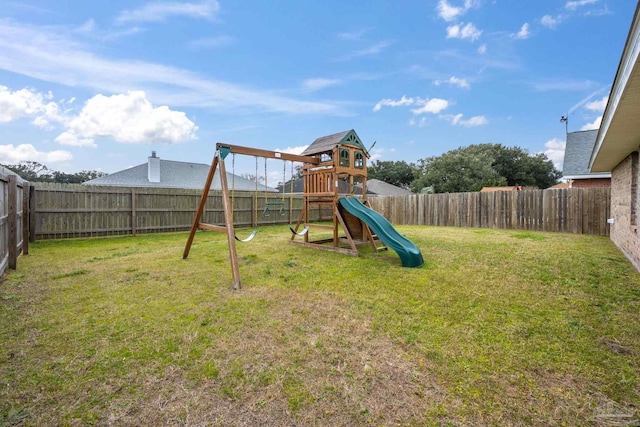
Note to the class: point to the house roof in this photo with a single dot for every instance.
(619, 133)
(175, 174)
(577, 154)
(343, 187)
(327, 143)
(382, 188)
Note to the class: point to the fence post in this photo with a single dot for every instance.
(13, 219)
(32, 213)
(25, 218)
(134, 214)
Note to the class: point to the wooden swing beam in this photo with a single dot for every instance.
(228, 228)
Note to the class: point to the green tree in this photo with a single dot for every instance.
(475, 166)
(36, 172)
(399, 173)
(30, 171)
(517, 166)
(75, 178)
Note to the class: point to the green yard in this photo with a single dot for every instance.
(498, 328)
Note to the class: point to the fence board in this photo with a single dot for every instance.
(14, 221)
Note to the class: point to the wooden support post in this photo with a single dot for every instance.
(13, 219)
(231, 234)
(336, 215)
(203, 202)
(334, 205)
(25, 218)
(32, 214)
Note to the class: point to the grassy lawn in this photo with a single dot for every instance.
(498, 328)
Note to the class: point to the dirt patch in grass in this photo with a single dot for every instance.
(308, 362)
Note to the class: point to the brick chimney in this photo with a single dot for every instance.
(153, 168)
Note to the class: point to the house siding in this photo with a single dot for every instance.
(591, 183)
(625, 231)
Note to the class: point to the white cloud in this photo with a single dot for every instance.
(449, 12)
(29, 103)
(482, 49)
(457, 120)
(550, 22)
(10, 154)
(555, 152)
(593, 125)
(312, 85)
(159, 11)
(376, 155)
(573, 5)
(51, 54)
(433, 106)
(387, 102)
(598, 12)
(72, 140)
(523, 33)
(127, 118)
(371, 50)
(454, 81)
(461, 31)
(292, 150)
(598, 106)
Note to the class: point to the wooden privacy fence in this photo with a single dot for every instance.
(14, 226)
(574, 210)
(72, 210)
(64, 210)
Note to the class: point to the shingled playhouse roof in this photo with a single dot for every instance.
(327, 143)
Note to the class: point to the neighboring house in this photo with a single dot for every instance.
(171, 174)
(507, 188)
(381, 188)
(576, 161)
(298, 187)
(617, 146)
(559, 186)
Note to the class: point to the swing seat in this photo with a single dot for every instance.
(302, 233)
(266, 212)
(248, 239)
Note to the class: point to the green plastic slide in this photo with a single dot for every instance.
(408, 252)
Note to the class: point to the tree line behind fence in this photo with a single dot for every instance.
(62, 211)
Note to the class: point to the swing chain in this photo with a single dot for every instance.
(266, 212)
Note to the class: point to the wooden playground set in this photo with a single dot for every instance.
(327, 162)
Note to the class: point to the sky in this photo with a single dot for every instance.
(99, 85)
